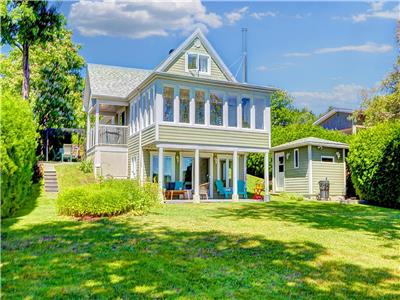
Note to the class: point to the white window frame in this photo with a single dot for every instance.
(329, 157)
(198, 54)
(173, 87)
(166, 154)
(294, 158)
(181, 156)
(183, 87)
(133, 167)
(224, 109)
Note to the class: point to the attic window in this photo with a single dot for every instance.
(198, 62)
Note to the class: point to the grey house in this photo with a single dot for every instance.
(339, 119)
(298, 166)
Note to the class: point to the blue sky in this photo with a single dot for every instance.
(323, 53)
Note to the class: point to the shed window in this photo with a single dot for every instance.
(327, 158)
(296, 160)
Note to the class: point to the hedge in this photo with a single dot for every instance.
(108, 198)
(17, 150)
(374, 161)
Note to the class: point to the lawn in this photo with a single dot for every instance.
(282, 249)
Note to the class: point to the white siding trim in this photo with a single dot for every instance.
(310, 177)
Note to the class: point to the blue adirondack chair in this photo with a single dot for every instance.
(226, 192)
(242, 189)
(179, 185)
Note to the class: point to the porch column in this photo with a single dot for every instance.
(87, 131)
(96, 139)
(227, 173)
(161, 168)
(196, 196)
(245, 167)
(266, 177)
(235, 196)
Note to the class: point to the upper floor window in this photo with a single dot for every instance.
(184, 105)
(232, 111)
(216, 109)
(199, 107)
(198, 62)
(168, 107)
(246, 112)
(259, 105)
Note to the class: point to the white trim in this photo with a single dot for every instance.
(310, 173)
(232, 129)
(165, 154)
(327, 157)
(279, 154)
(294, 158)
(266, 177)
(209, 148)
(133, 174)
(110, 148)
(344, 173)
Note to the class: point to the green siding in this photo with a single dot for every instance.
(213, 137)
(178, 66)
(133, 150)
(317, 153)
(296, 179)
(148, 135)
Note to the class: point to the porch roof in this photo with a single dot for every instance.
(310, 141)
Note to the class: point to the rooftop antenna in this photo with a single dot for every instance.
(244, 51)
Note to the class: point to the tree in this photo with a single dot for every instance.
(25, 24)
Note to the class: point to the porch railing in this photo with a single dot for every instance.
(109, 135)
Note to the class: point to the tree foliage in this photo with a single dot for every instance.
(25, 24)
(17, 149)
(374, 161)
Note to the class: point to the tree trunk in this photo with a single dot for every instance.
(25, 64)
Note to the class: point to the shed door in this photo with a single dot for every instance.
(280, 171)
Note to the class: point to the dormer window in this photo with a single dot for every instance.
(197, 62)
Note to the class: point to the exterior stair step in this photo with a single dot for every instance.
(50, 179)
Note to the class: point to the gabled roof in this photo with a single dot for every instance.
(310, 141)
(197, 34)
(116, 82)
(331, 113)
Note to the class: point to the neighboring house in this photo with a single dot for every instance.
(298, 166)
(189, 120)
(339, 119)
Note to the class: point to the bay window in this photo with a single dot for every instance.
(246, 112)
(216, 109)
(184, 105)
(168, 107)
(199, 107)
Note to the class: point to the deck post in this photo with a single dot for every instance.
(161, 168)
(266, 177)
(196, 196)
(245, 168)
(96, 139)
(235, 196)
(87, 131)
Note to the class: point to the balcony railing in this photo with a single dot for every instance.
(109, 135)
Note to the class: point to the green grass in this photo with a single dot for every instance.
(69, 175)
(282, 249)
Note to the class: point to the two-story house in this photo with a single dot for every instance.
(188, 120)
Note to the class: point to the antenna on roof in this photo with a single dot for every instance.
(244, 51)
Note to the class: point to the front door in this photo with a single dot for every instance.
(279, 171)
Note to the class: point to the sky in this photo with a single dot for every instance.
(323, 53)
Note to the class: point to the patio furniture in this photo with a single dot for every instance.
(179, 185)
(171, 193)
(226, 192)
(258, 189)
(66, 152)
(203, 190)
(242, 190)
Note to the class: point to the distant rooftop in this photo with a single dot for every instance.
(114, 81)
(332, 112)
(310, 141)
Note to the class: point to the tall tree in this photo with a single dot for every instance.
(27, 23)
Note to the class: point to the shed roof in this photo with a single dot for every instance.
(310, 141)
(114, 81)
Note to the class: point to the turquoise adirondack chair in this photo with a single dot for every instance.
(242, 189)
(226, 192)
(179, 185)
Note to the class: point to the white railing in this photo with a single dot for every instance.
(109, 135)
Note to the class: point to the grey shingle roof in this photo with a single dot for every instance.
(310, 141)
(114, 81)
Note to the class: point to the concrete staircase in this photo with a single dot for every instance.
(50, 180)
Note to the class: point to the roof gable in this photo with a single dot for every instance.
(175, 62)
(332, 112)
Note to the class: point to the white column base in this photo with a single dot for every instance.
(235, 197)
(267, 198)
(196, 198)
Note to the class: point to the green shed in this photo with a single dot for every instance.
(298, 166)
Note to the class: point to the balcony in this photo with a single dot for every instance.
(114, 135)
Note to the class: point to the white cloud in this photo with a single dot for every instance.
(369, 47)
(342, 95)
(236, 14)
(376, 11)
(262, 68)
(275, 67)
(261, 15)
(142, 19)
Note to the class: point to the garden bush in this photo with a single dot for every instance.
(374, 161)
(108, 198)
(87, 166)
(17, 150)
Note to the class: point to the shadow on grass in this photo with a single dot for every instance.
(110, 259)
(381, 222)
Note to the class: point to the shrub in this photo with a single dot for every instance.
(86, 166)
(108, 198)
(17, 148)
(374, 161)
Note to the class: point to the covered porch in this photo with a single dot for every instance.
(201, 174)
